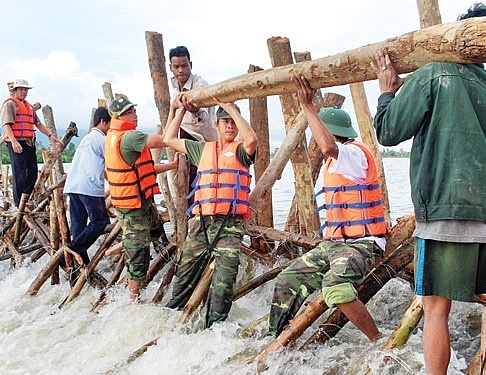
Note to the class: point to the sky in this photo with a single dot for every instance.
(67, 49)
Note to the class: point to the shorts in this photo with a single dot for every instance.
(456, 271)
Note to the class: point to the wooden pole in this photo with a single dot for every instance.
(308, 219)
(461, 42)
(368, 136)
(263, 213)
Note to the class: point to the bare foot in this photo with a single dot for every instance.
(115, 250)
(76, 256)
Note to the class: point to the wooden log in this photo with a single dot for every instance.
(158, 72)
(407, 324)
(399, 233)
(81, 281)
(113, 279)
(164, 283)
(107, 93)
(460, 41)
(368, 136)
(24, 250)
(18, 258)
(282, 236)
(280, 55)
(182, 182)
(258, 281)
(165, 256)
(280, 159)
(45, 273)
(199, 294)
(265, 259)
(259, 122)
(429, 13)
(18, 221)
(39, 187)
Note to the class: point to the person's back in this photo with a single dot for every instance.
(447, 118)
(442, 106)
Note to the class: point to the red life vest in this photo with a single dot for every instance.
(353, 210)
(128, 184)
(222, 183)
(24, 119)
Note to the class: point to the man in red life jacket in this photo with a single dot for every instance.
(221, 202)
(131, 174)
(19, 121)
(354, 229)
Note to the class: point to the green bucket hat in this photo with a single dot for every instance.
(338, 122)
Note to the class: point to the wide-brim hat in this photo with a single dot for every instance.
(338, 122)
(21, 83)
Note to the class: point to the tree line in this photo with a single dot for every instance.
(385, 153)
(66, 156)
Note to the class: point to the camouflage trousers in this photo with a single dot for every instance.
(331, 265)
(196, 255)
(140, 227)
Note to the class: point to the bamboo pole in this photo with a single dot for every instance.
(460, 41)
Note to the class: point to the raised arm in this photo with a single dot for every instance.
(323, 137)
(246, 132)
(171, 133)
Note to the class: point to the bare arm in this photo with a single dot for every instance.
(246, 132)
(170, 136)
(164, 167)
(43, 129)
(322, 135)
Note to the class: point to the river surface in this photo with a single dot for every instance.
(36, 337)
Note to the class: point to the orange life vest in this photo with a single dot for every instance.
(129, 185)
(222, 183)
(353, 210)
(24, 119)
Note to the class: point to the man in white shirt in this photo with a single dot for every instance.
(85, 186)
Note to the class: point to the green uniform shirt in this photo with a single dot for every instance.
(442, 106)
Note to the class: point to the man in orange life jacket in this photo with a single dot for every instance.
(19, 121)
(221, 202)
(354, 229)
(131, 174)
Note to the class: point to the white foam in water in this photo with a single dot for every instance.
(38, 338)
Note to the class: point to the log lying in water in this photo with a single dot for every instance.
(461, 42)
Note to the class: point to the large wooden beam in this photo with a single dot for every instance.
(460, 41)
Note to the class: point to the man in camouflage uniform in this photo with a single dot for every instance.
(354, 228)
(131, 173)
(216, 230)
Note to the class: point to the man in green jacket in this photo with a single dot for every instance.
(442, 106)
